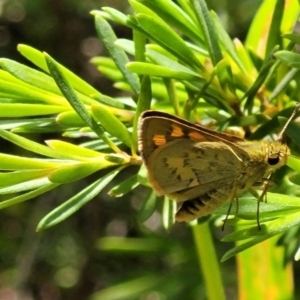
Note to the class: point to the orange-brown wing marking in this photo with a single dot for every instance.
(177, 131)
(197, 137)
(159, 140)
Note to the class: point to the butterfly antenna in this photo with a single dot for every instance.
(288, 121)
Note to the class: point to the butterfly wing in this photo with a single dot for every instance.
(156, 128)
(185, 159)
(199, 167)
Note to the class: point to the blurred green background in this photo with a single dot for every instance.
(102, 251)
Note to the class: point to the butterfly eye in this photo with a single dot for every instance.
(273, 160)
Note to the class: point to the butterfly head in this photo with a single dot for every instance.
(277, 154)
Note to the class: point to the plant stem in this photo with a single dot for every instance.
(208, 261)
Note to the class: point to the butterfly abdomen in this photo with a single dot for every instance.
(200, 206)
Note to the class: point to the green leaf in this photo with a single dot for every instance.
(30, 76)
(36, 147)
(208, 29)
(168, 213)
(25, 186)
(66, 174)
(130, 289)
(70, 119)
(284, 84)
(36, 122)
(249, 63)
(292, 37)
(274, 34)
(250, 120)
(118, 159)
(260, 27)
(142, 7)
(271, 125)
(160, 71)
(109, 101)
(227, 42)
(223, 71)
(72, 205)
(112, 124)
(278, 205)
(234, 251)
(187, 7)
(73, 151)
(39, 127)
(148, 207)
(15, 110)
(11, 162)
(262, 75)
(114, 15)
(142, 176)
(160, 32)
(75, 102)
(295, 177)
(108, 67)
(257, 34)
(293, 163)
(290, 58)
(38, 58)
(70, 94)
(108, 38)
(217, 115)
(268, 230)
(171, 64)
(20, 91)
(124, 187)
(172, 14)
(129, 245)
(12, 178)
(28, 196)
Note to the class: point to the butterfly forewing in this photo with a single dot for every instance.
(180, 155)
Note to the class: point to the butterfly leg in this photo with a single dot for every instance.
(261, 185)
(232, 198)
(263, 195)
